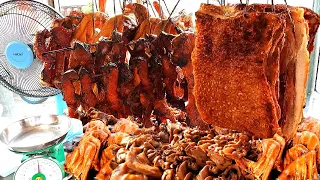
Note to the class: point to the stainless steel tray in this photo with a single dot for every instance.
(35, 133)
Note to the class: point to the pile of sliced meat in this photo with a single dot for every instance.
(115, 149)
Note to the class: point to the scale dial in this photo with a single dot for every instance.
(39, 168)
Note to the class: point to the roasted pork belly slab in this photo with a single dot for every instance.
(256, 60)
(301, 28)
(294, 69)
(310, 16)
(236, 67)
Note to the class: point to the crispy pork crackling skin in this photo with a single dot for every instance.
(294, 61)
(231, 69)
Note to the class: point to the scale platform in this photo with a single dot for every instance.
(39, 140)
(35, 133)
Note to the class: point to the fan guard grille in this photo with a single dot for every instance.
(20, 20)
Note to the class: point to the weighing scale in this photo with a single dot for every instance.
(39, 139)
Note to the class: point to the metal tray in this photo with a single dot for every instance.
(36, 133)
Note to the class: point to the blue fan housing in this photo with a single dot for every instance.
(19, 55)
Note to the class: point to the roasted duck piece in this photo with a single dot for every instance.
(88, 98)
(125, 87)
(182, 46)
(121, 23)
(47, 74)
(146, 28)
(61, 36)
(118, 52)
(139, 68)
(80, 56)
(313, 20)
(166, 26)
(80, 33)
(162, 47)
(159, 9)
(70, 22)
(110, 50)
(85, 32)
(59, 68)
(236, 85)
(141, 99)
(140, 11)
(184, 21)
(71, 88)
(41, 47)
(110, 76)
(101, 55)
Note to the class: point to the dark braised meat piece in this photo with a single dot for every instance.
(71, 88)
(61, 36)
(41, 46)
(80, 57)
(182, 47)
(110, 76)
(47, 74)
(101, 55)
(88, 98)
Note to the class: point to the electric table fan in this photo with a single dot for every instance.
(19, 67)
(39, 139)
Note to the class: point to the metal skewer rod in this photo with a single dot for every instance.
(58, 50)
(66, 49)
(122, 8)
(165, 5)
(93, 28)
(115, 17)
(219, 1)
(96, 5)
(149, 18)
(154, 13)
(170, 16)
(289, 14)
